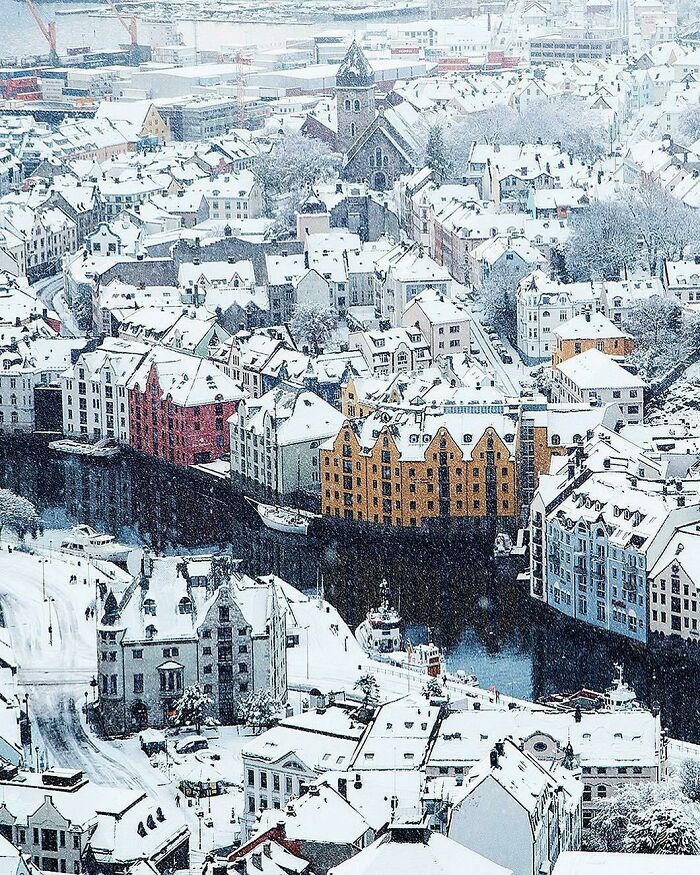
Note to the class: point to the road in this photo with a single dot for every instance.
(506, 375)
(50, 291)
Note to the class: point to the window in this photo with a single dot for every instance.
(138, 683)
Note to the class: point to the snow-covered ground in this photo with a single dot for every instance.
(50, 290)
(47, 587)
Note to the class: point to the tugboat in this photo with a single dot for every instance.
(379, 635)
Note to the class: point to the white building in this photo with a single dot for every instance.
(514, 811)
(543, 305)
(184, 621)
(26, 368)
(300, 748)
(275, 439)
(94, 394)
(595, 378)
(443, 322)
(401, 274)
(394, 351)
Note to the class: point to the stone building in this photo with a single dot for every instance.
(185, 621)
(354, 92)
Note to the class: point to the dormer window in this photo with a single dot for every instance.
(149, 607)
(151, 631)
(185, 606)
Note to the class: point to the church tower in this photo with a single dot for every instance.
(354, 93)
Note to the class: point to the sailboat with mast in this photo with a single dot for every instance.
(289, 520)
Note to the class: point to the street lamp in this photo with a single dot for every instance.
(49, 600)
(42, 562)
(200, 815)
(87, 713)
(36, 752)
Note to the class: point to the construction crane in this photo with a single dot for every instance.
(48, 30)
(130, 27)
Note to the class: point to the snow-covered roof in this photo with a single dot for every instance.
(437, 854)
(595, 370)
(589, 326)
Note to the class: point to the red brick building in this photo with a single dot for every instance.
(178, 408)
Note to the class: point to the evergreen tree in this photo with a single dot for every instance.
(436, 153)
(368, 686)
(192, 707)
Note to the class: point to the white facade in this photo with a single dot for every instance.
(395, 351)
(94, 395)
(275, 439)
(595, 378)
(443, 322)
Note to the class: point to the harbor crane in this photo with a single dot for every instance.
(48, 30)
(130, 27)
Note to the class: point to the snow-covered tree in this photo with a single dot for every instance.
(690, 124)
(654, 321)
(497, 297)
(663, 828)
(258, 710)
(665, 226)
(368, 686)
(295, 163)
(660, 335)
(436, 154)
(603, 242)
(615, 815)
(18, 514)
(313, 324)
(689, 779)
(432, 688)
(192, 708)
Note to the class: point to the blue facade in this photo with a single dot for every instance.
(595, 581)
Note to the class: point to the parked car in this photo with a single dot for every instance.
(192, 744)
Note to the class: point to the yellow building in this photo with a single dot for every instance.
(407, 467)
(590, 331)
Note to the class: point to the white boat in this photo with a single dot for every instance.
(83, 540)
(290, 520)
(380, 632)
(104, 449)
(380, 636)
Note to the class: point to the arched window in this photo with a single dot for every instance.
(378, 156)
(151, 631)
(348, 105)
(556, 440)
(185, 606)
(356, 106)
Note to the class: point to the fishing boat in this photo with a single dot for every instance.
(104, 449)
(290, 520)
(82, 540)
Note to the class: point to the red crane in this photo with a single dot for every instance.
(48, 30)
(130, 27)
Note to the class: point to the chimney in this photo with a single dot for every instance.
(240, 866)
(493, 756)
(500, 748)
(343, 787)
(588, 316)
(358, 781)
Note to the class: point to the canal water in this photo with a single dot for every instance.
(473, 608)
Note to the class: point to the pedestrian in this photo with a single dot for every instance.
(87, 613)
(177, 799)
(92, 612)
